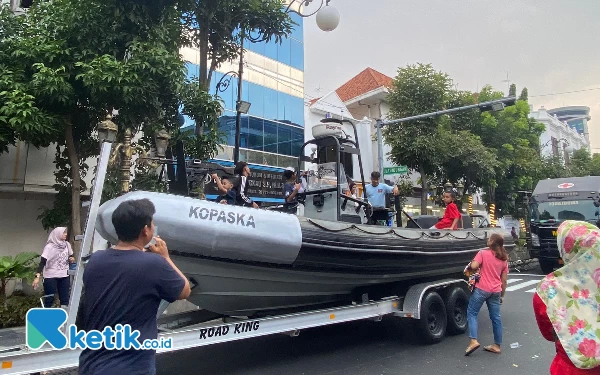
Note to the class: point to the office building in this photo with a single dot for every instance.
(272, 131)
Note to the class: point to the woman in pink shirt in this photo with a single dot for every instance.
(492, 265)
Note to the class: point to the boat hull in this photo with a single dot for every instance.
(285, 263)
(239, 289)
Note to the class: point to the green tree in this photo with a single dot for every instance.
(579, 163)
(524, 94)
(594, 165)
(74, 60)
(417, 89)
(465, 157)
(514, 138)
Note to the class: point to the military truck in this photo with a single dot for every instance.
(554, 201)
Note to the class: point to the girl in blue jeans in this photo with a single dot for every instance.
(492, 265)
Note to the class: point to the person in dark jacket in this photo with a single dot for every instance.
(241, 187)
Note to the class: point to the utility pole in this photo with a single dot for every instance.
(238, 117)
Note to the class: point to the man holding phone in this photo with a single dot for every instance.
(125, 285)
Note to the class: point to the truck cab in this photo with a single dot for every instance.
(554, 201)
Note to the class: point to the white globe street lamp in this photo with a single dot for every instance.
(328, 18)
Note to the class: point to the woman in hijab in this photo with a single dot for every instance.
(566, 301)
(55, 264)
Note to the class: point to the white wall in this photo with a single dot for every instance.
(26, 168)
(26, 185)
(19, 228)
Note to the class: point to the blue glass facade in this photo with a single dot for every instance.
(275, 122)
(290, 51)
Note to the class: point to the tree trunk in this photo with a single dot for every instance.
(203, 66)
(213, 67)
(75, 188)
(424, 191)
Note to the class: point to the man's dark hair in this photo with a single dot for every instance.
(131, 217)
(239, 167)
(375, 175)
(225, 178)
(288, 174)
(452, 194)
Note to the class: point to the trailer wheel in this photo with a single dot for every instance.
(456, 309)
(431, 327)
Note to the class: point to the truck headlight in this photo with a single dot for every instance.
(535, 239)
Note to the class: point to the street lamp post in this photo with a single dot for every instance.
(494, 105)
(107, 132)
(328, 19)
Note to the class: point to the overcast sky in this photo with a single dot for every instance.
(548, 46)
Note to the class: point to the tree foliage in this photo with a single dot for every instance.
(497, 153)
(417, 89)
(69, 62)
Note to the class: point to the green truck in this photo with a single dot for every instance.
(554, 201)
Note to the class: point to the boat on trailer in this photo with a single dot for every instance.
(243, 261)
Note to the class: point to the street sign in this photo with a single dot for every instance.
(402, 169)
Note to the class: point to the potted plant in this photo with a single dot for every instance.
(21, 266)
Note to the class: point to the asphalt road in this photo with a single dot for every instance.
(369, 348)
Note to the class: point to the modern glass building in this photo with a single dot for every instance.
(272, 132)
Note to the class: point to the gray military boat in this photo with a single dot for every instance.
(243, 261)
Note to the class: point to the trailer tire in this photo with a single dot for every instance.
(456, 310)
(431, 327)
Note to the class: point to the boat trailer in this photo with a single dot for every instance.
(435, 308)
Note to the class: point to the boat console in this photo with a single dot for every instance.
(326, 195)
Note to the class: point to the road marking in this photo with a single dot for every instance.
(531, 290)
(528, 274)
(522, 285)
(510, 281)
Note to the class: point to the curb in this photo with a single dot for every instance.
(523, 263)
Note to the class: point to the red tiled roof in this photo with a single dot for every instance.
(367, 80)
(313, 101)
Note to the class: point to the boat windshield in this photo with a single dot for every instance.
(564, 210)
(323, 176)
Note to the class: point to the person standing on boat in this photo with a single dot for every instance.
(241, 188)
(492, 265)
(291, 189)
(124, 285)
(375, 193)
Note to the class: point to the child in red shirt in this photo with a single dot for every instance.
(451, 216)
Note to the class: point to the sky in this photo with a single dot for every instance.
(548, 46)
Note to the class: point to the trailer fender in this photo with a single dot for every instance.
(414, 297)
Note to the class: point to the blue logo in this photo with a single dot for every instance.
(45, 326)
